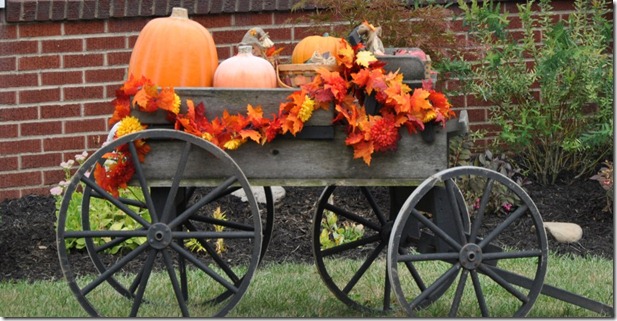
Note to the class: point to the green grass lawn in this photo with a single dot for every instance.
(296, 290)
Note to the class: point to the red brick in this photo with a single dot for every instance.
(41, 160)
(39, 96)
(68, 45)
(214, 21)
(52, 178)
(127, 25)
(252, 19)
(39, 30)
(104, 75)
(104, 9)
(18, 80)
(84, 126)
(60, 111)
(8, 31)
(279, 35)
(20, 179)
(42, 12)
(105, 108)
(79, 93)
(8, 63)
(18, 114)
(40, 128)
(62, 78)
(84, 27)
(63, 143)
(9, 131)
(118, 7)
(476, 115)
(9, 194)
(228, 36)
(286, 17)
(38, 62)
(21, 47)
(118, 58)
(10, 163)
(35, 191)
(28, 10)
(15, 147)
(105, 43)
(57, 10)
(82, 60)
(7, 98)
(95, 141)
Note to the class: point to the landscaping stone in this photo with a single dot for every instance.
(564, 232)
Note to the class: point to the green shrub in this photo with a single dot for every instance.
(553, 102)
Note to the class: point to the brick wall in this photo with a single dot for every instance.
(62, 60)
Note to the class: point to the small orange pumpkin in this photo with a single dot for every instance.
(305, 49)
(245, 71)
(175, 51)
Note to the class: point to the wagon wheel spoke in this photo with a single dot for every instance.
(479, 294)
(458, 295)
(361, 256)
(143, 282)
(488, 188)
(116, 202)
(113, 269)
(351, 245)
(455, 206)
(511, 218)
(489, 239)
(175, 183)
(180, 296)
(142, 183)
(437, 230)
(191, 258)
(443, 280)
(371, 201)
(363, 268)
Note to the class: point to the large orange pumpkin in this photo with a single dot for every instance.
(175, 51)
(245, 71)
(304, 50)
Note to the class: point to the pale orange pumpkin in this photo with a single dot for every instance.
(175, 51)
(245, 71)
(305, 49)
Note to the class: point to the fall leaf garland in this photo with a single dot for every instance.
(361, 77)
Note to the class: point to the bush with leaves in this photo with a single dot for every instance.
(420, 23)
(460, 154)
(553, 101)
(333, 233)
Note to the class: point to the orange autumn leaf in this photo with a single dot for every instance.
(363, 150)
(250, 133)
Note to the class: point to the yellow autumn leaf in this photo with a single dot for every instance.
(364, 58)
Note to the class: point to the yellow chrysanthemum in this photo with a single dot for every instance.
(128, 125)
(306, 110)
(177, 102)
(430, 115)
(207, 136)
(233, 144)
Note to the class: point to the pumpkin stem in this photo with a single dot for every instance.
(178, 12)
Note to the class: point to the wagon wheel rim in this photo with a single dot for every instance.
(347, 287)
(471, 255)
(166, 235)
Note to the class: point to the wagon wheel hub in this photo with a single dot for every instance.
(470, 256)
(159, 236)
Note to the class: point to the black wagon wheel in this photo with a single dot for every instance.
(162, 247)
(351, 231)
(506, 242)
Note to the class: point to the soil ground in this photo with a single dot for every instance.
(28, 248)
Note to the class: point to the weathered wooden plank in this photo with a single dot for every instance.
(291, 161)
(295, 162)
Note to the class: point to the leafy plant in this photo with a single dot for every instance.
(605, 178)
(103, 214)
(332, 234)
(460, 154)
(553, 101)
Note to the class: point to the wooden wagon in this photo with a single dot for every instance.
(424, 242)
